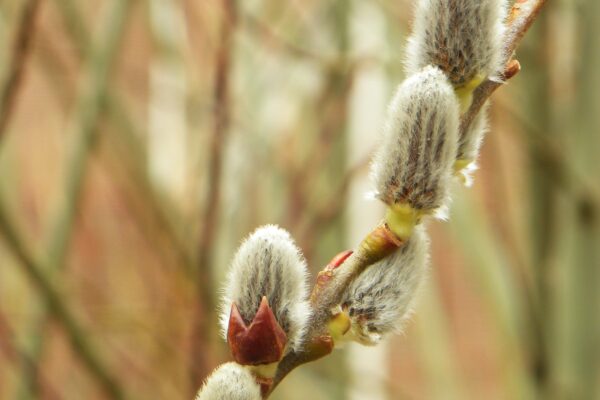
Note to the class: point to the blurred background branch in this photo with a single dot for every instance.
(205, 324)
(87, 113)
(59, 310)
(25, 32)
(149, 140)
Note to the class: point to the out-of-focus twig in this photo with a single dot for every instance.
(332, 103)
(328, 211)
(202, 328)
(270, 38)
(58, 308)
(16, 69)
(16, 355)
(129, 161)
(87, 113)
(129, 140)
(580, 186)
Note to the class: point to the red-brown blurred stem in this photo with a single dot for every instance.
(16, 69)
(203, 329)
(58, 308)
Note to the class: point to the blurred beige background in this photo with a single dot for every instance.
(145, 139)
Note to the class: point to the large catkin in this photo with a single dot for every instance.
(269, 264)
(461, 37)
(413, 164)
(382, 297)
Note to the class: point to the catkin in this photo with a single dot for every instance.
(268, 263)
(413, 164)
(382, 297)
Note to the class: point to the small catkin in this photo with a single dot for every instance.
(414, 161)
(461, 37)
(268, 263)
(230, 381)
(381, 298)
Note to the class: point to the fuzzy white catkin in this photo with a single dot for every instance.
(414, 161)
(268, 263)
(462, 37)
(382, 297)
(230, 381)
(470, 140)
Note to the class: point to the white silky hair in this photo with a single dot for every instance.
(230, 381)
(462, 37)
(382, 298)
(470, 141)
(268, 263)
(414, 161)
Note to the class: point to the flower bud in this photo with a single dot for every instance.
(461, 37)
(381, 298)
(230, 381)
(265, 308)
(412, 168)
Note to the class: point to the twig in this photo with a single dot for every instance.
(330, 210)
(16, 69)
(9, 346)
(128, 147)
(522, 16)
(87, 114)
(129, 137)
(57, 306)
(271, 39)
(201, 334)
(332, 104)
(579, 185)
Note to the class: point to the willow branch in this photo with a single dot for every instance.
(521, 17)
(330, 210)
(19, 356)
(58, 308)
(129, 140)
(210, 213)
(16, 69)
(273, 40)
(329, 295)
(88, 111)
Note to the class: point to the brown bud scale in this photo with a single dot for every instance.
(263, 342)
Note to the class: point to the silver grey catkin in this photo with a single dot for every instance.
(382, 297)
(461, 37)
(268, 263)
(413, 164)
(230, 381)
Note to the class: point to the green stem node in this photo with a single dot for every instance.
(465, 92)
